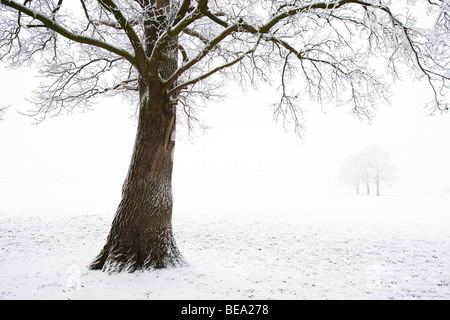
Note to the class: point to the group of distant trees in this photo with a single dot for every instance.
(370, 166)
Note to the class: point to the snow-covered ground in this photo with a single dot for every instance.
(244, 246)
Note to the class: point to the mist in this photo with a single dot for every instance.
(244, 159)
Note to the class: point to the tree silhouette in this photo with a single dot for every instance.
(372, 165)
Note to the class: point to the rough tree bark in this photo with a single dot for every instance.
(141, 234)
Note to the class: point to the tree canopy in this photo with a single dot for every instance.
(326, 51)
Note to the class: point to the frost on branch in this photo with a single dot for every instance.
(331, 52)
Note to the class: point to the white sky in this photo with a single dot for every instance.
(83, 158)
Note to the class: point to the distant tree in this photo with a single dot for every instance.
(352, 172)
(166, 54)
(379, 167)
(371, 166)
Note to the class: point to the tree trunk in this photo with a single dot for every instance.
(378, 185)
(141, 233)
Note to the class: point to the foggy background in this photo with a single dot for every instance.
(77, 163)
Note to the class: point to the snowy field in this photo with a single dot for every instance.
(244, 246)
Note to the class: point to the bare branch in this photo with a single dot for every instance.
(183, 10)
(208, 74)
(197, 35)
(189, 64)
(324, 51)
(52, 25)
(131, 33)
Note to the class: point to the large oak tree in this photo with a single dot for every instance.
(167, 53)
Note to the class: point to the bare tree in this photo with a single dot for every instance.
(379, 167)
(167, 53)
(353, 172)
(372, 165)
